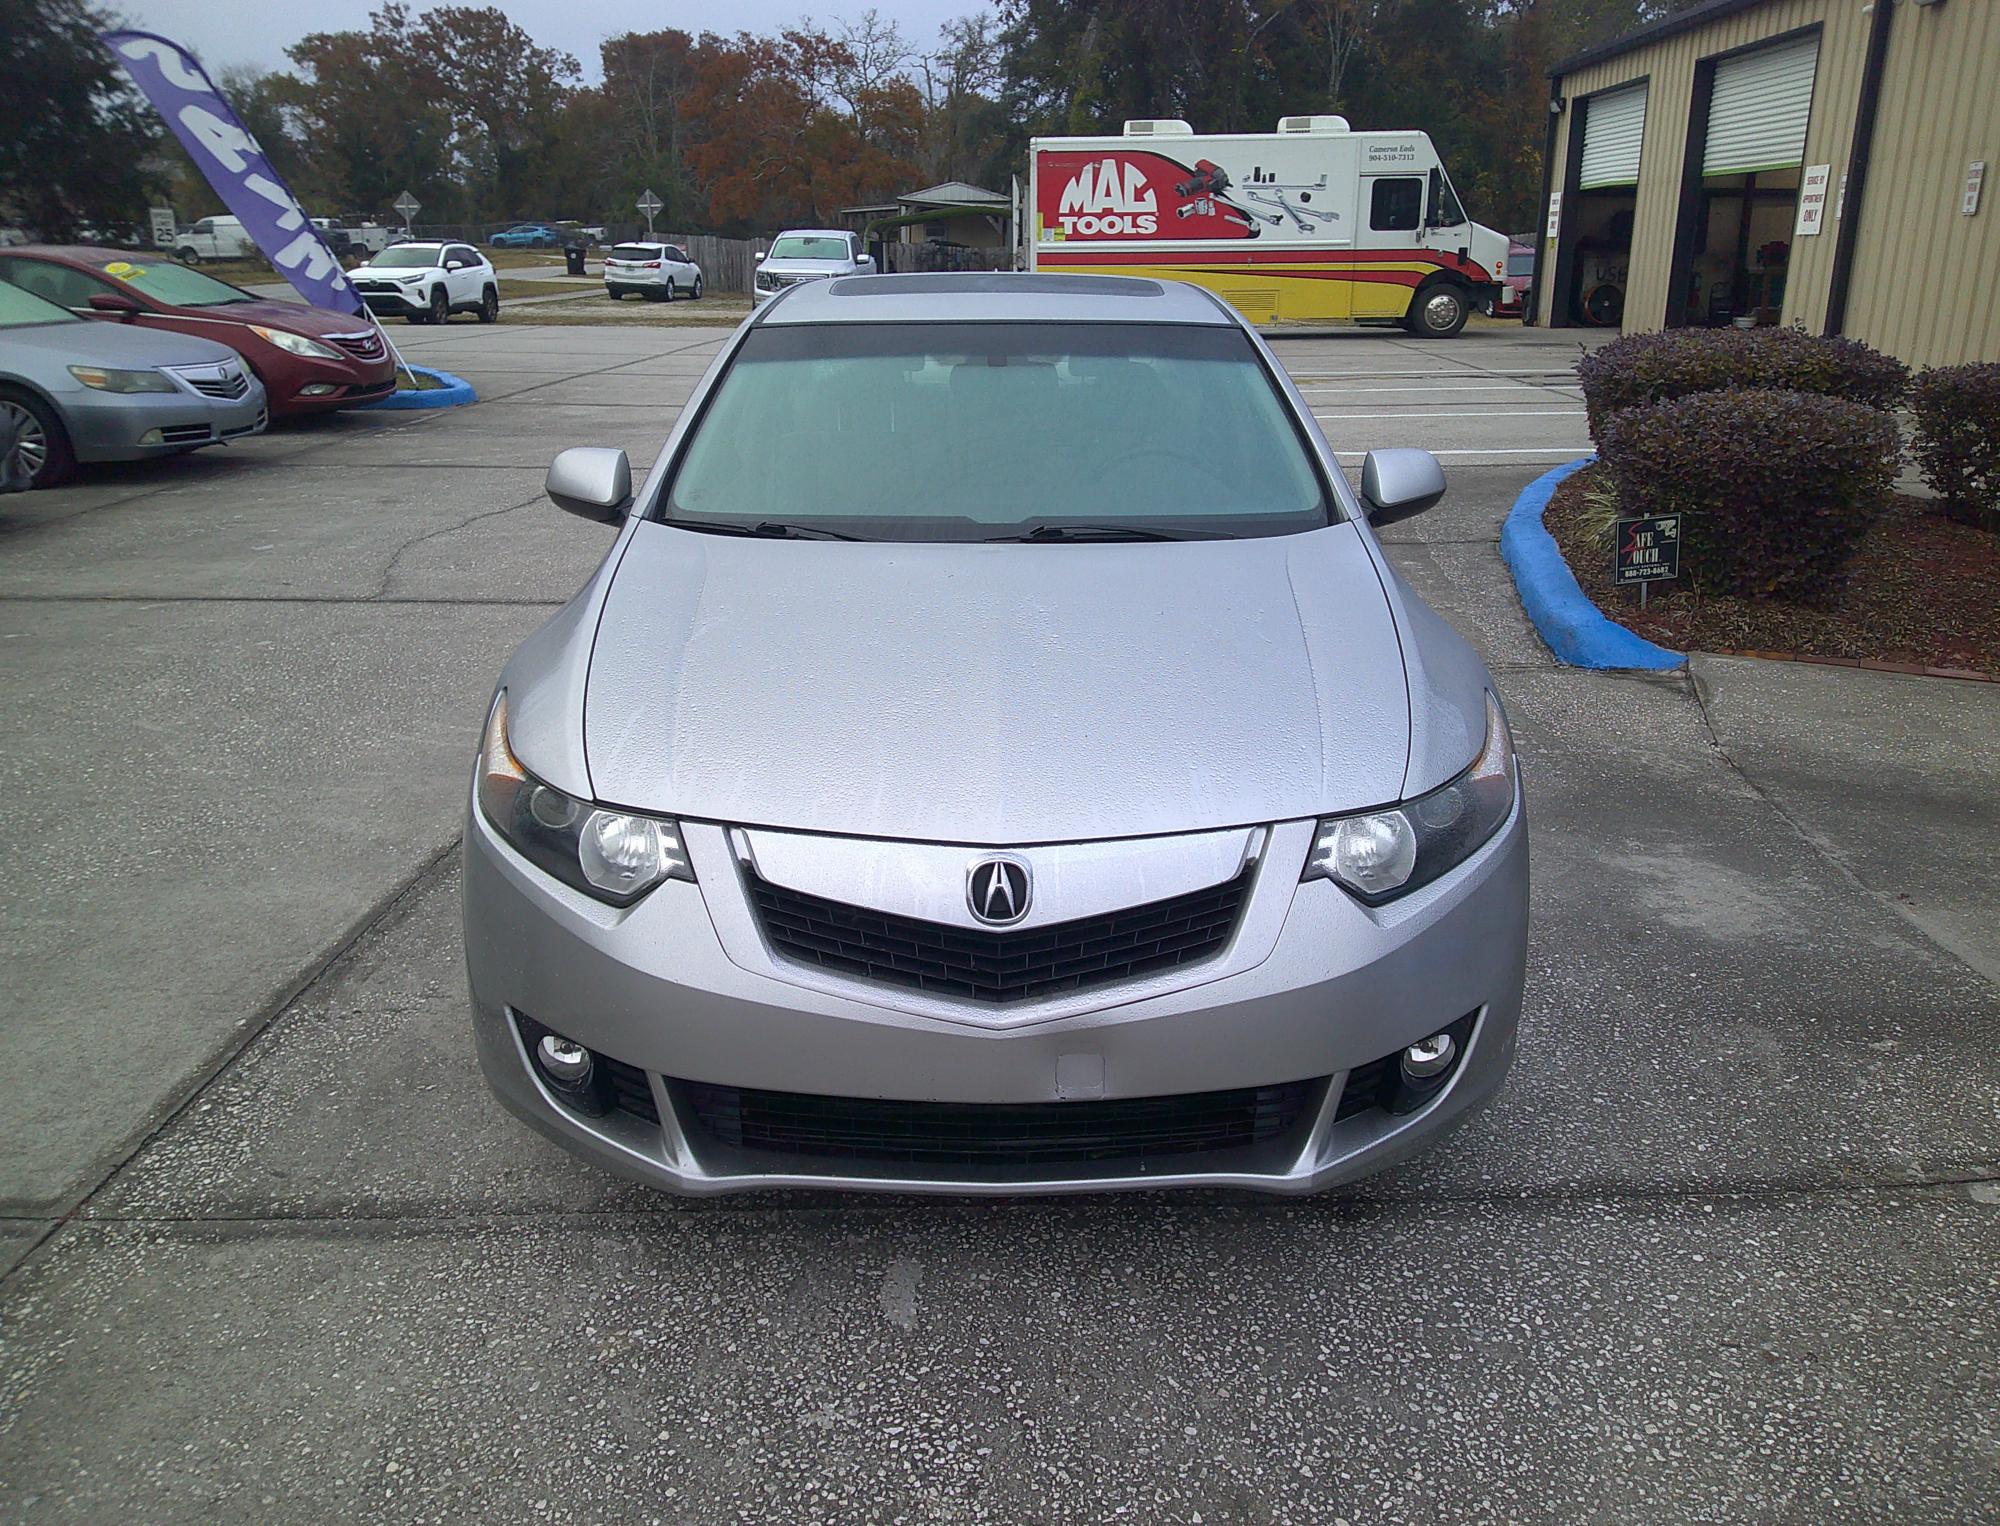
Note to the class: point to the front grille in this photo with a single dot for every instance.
(1010, 1134)
(1368, 1086)
(1000, 966)
(231, 386)
(362, 346)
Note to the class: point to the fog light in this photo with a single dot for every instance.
(152, 437)
(565, 1063)
(316, 389)
(1425, 1058)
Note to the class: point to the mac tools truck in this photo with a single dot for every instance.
(1312, 222)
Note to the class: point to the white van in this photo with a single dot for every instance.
(1312, 222)
(214, 238)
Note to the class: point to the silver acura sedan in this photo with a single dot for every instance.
(995, 756)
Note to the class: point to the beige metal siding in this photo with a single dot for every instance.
(1670, 64)
(1926, 279)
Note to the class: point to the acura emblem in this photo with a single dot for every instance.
(997, 890)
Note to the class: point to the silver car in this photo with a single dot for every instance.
(808, 254)
(77, 390)
(995, 756)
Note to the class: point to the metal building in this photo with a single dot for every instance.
(1811, 162)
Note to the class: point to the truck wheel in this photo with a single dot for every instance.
(187, 254)
(489, 305)
(41, 449)
(1439, 312)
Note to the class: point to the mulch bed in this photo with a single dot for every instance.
(1922, 592)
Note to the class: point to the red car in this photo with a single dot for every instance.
(308, 358)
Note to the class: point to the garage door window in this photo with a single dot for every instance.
(1396, 205)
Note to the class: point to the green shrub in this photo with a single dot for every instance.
(1957, 444)
(1777, 487)
(1653, 368)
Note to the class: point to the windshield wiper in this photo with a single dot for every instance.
(1109, 532)
(773, 529)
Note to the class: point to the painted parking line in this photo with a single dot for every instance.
(1439, 413)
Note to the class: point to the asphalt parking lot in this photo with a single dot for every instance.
(1727, 1246)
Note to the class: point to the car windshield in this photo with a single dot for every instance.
(986, 431)
(165, 281)
(801, 246)
(407, 257)
(635, 252)
(20, 308)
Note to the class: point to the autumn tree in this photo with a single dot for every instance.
(503, 94)
(368, 125)
(75, 138)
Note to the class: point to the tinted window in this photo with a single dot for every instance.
(55, 283)
(460, 252)
(973, 431)
(635, 252)
(1396, 205)
(408, 257)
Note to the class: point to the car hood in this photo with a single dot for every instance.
(996, 694)
(92, 342)
(293, 317)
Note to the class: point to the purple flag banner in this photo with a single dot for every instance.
(182, 93)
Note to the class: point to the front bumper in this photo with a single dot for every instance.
(397, 303)
(667, 986)
(131, 426)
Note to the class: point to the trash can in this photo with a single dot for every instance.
(573, 257)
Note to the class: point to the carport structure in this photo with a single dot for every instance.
(1817, 163)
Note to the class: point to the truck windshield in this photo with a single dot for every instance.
(799, 246)
(991, 431)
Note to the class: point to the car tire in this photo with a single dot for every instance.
(1439, 312)
(670, 290)
(695, 295)
(440, 309)
(44, 443)
(188, 255)
(489, 305)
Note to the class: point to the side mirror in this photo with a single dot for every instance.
(866, 264)
(1398, 483)
(761, 258)
(592, 481)
(111, 302)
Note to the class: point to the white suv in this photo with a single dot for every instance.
(427, 283)
(659, 271)
(808, 254)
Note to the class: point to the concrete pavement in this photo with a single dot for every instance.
(1725, 1246)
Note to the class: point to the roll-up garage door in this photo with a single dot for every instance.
(1757, 115)
(1613, 126)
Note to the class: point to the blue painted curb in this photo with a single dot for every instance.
(455, 393)
(1576, 630)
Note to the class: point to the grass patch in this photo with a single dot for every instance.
(1919, 589)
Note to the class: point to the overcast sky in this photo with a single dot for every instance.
(225, 32)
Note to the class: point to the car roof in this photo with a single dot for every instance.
(92, 256)
(996, 297)
(816, 233)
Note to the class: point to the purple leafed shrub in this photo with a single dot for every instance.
(1653, 368)
(1957, 445)
(1777, 487)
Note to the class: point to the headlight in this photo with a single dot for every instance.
(1379, 855)
(412, 279)
(295, 344)
(611, 855)
(99, 379)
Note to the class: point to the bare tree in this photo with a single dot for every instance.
(1347, 25)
